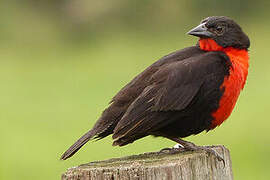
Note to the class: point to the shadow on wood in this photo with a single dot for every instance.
(157, 166)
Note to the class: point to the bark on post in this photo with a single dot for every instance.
(157, 166)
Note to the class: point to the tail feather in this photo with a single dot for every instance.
(77, 145)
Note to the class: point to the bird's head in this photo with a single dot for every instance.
(223, 30)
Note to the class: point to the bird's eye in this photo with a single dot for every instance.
(219, 29)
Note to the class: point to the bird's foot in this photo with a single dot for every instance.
(192, 147)
(165, 149)
(175, 148)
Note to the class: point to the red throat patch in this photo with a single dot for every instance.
(233, 83)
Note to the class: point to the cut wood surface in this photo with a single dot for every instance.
(194, 165)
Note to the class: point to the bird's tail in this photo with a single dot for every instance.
(77, 145)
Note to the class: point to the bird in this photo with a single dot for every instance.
(184, 93)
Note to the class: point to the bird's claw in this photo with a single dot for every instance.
(189, 146)
(175, 148)
(165, 149)
(209, 152)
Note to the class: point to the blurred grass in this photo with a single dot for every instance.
(51, 93)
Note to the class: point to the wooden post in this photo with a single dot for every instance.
(157, 166)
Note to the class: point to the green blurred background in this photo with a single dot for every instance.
(62, 61)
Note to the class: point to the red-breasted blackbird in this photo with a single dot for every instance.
(183, 93)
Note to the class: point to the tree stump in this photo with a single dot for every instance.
(181, 165)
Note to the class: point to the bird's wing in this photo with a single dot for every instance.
(172, 88)
(128, 94)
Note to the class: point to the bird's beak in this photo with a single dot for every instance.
(200, 31)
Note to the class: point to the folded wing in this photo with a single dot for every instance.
(171, 88)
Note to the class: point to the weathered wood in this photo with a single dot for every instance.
(157, 166)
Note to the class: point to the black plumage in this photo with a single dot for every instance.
(174, 97)
(172, 93)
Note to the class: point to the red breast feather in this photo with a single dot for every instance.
(233, 83)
